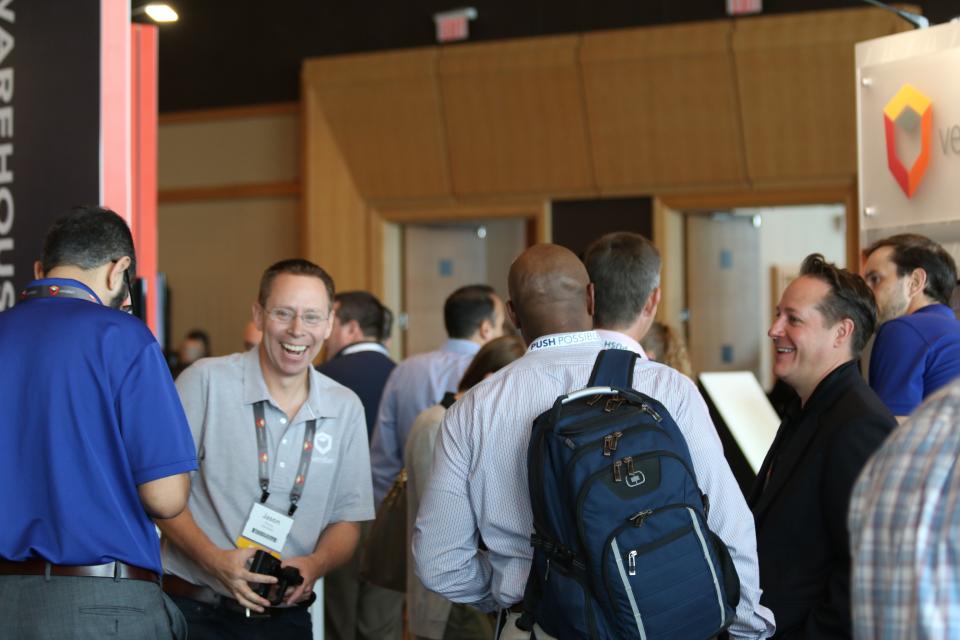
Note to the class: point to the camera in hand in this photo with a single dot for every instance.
(268, 565)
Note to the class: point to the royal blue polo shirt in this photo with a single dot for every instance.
(88, 411)
(914, 355)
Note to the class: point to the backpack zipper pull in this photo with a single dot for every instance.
(632, 563)
(638, 518)
(617, 471)
(649, 411)
(610, 442)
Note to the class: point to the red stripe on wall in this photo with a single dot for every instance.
(144, 43)
(115, 107)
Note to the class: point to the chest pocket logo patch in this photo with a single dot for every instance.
(322, 443)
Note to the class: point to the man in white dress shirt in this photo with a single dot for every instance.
(479, 486)
(624, 268)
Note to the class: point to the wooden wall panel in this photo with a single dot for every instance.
(337, 227)
(663, 108)
(254, 149)
(796, 80)
(384, 111)
(214, 253)
(515, 117)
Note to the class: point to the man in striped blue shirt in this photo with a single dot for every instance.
(473, 315)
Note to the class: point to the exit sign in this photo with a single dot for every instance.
(454, 25)
(742, 7)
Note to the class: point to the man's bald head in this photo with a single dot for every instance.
(550, 292)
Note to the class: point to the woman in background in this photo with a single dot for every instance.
(665, 344)
(429, 615)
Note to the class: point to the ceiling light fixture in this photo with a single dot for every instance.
(157, 11)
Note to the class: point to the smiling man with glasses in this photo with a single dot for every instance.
(284, 468)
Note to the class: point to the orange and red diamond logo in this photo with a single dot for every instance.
(907, 111)
(54, 289)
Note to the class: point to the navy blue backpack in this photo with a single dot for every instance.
(621, 544)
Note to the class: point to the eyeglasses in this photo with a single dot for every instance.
(285, 315)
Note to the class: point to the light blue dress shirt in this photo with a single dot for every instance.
(417, 383)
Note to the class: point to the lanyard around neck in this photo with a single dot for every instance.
(57, 291)
(260, 424)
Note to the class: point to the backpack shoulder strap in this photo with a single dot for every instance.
(613, 368)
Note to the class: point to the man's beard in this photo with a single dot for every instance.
(895, 307)
(116, 302)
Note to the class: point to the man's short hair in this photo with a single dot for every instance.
(849, 297)
(294, 267)
(625, 269)
(387, 328)
(913, 251)
(363, 307)
(467, 308)
(88, 237)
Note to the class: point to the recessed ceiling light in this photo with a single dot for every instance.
(161, 12)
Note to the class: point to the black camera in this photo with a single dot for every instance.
(268, 565)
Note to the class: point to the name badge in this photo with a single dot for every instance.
(266, 528)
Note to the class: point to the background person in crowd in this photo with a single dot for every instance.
(800, 498)
(356, 357)
(917, 349)
(905, 528)
(358, 360)
(625, 271)
(479, 484)
(284, 464)
(195, 345)
(95, 444)
(473, 315)
(665, 344)
(251, 336)
(430, 616)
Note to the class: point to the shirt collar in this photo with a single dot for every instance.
(255, 388)
(574, 338)
(461, 346)
(617, 340)
(939, 309)
(358, 347)
(65, 282)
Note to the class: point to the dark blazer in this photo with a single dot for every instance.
(365, 373)
(801, 515)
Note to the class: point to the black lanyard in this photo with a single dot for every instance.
(57, 291)
(260, 424)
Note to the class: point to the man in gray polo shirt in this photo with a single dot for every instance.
(283, 465)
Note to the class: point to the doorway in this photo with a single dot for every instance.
(439, 258)
(736, 265)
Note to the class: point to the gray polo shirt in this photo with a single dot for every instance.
(218, 395)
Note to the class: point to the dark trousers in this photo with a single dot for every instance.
(207, 622)
(73, 608)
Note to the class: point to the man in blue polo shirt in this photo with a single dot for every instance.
(917, 348)
(95, 443)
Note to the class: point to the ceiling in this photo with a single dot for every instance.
(251, 52)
